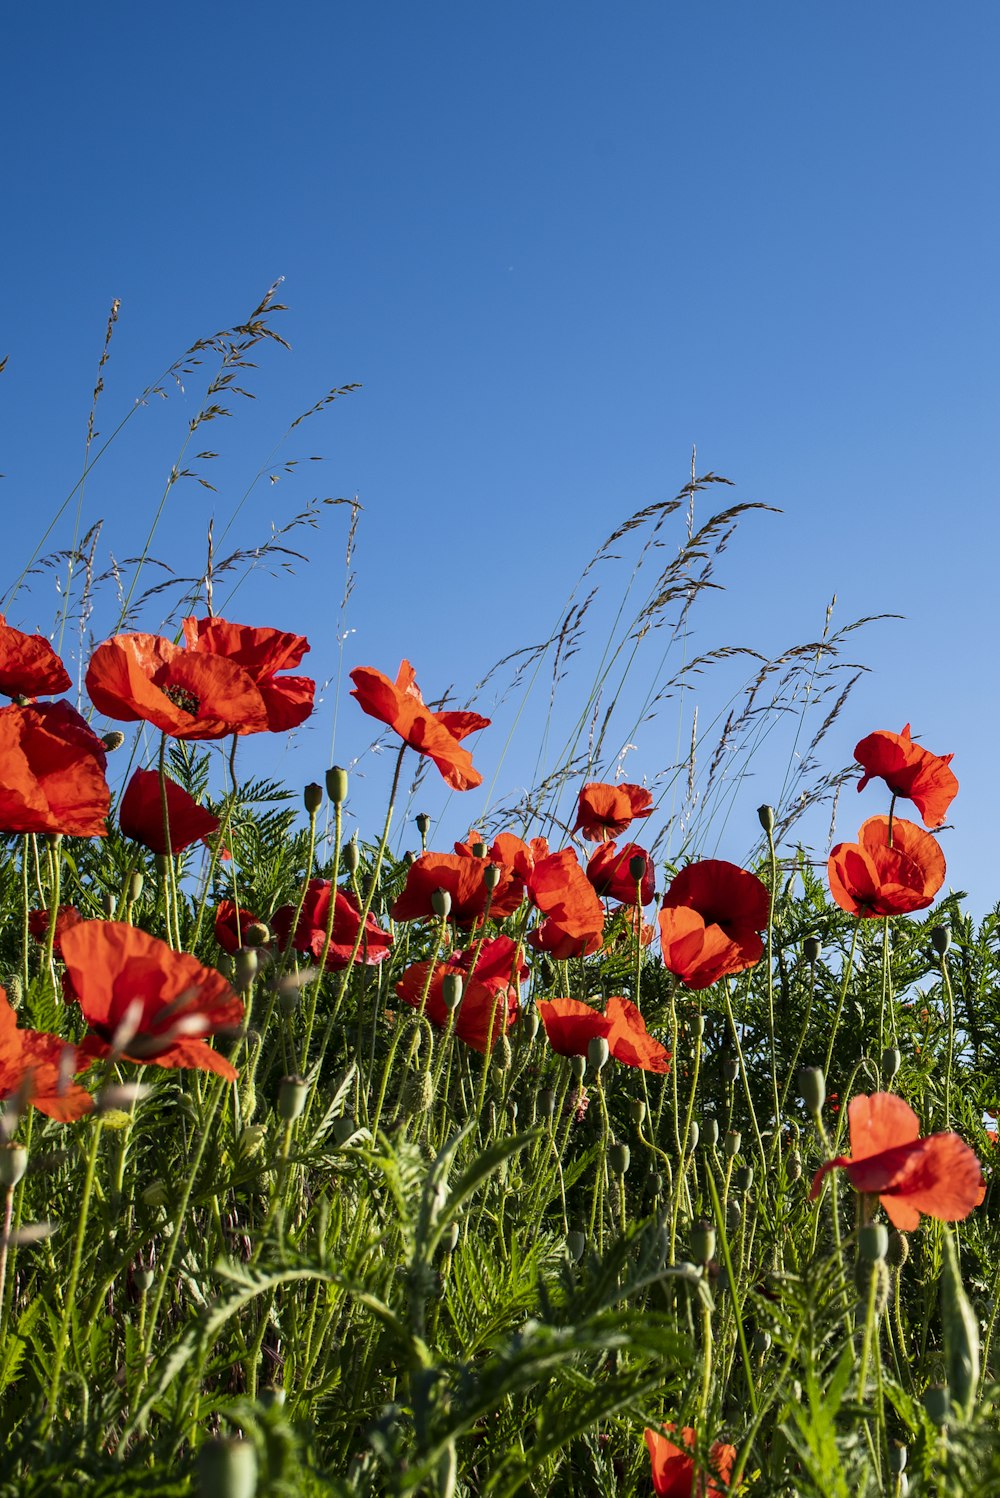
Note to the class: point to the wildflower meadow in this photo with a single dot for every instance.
(569, 1152)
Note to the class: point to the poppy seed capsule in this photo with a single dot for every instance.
(899, 1250)
(732, 1142)
(450, 1239)
(113, 740)
(873, 1241)
(598, 1052)
(637, 867)
(576, 1243)
(702, 1241)
(142, 1279)
(694, 1134)
(350, 857)
(479, 850)
(761, 1343)
(709, 1131)
(256, 934)
(244, 968)
(491, 877)
(13, 1164)
(451, 991)
(109, 904)
(619, 1158)
(135, 887)
(941, 939)
(577, 1066)
(734, 1215)
(812, 1089)
(891, 1062)
(811, 948)
(529, 1026)
(730, 1069)
(336, 784)
(765, 816)
(441, 903)
(312, 798)
(227, 1468)
(655, 1183)
(423, 822)
(292, 1093)
(637, 1111)
(743, 1178)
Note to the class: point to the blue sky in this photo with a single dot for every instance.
(557, 246)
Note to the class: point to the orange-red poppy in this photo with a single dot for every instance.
(37, 1069)
(140, 815)
(609, 870)
(909, 770)
(437, 735)
(51, 772)
(310, 930)
(571, 1025)
(261, 652)
(939, 1175)
(231, 923)
(630, 1042)
(560, 889)
(605, 811)
(146, 1002)
(38, 925)
(870, 878)
(464, 879)
(710, 920)
(551, 939)
(188, 694)
(490, 1001)
(673, 1468)
(29, 667)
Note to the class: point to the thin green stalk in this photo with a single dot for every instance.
(69, 1304)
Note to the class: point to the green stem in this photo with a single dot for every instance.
(69, 1304)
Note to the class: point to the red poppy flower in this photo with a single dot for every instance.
(609, 871)
(231, 924)
(437, 735)
(605, 811)
(550, 938)
(310, 932)
(571, 1025)
(37, 1068)
(464, 878)
(29, 667)
(939, 1175)
(261, 652)
(560, 889)
(909, 770)
(711, 915)
(140, 815)
(630, 1042)
(188, 694)
(490, 1001)
(869, 878)
(38, 925)
(51, 772)
(145, 1001)
(673, 1466)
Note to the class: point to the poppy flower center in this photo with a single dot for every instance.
(182, 698)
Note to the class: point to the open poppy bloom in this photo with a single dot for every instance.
(437, 735)
(710, 920)
(145, 1002)
(490, 1001)
(38, 925)
(464, 879)
(561, 890)
(232, 922)
(605, 811)
(558, 944)
(51, 772)
(29, 667)
(310, 932)
(261, 652)
(630, 1042)
(37, 1068)
(140, 815)
(870, 878)
(939, 1175)
(673, 1468)
(609, 871)
(909, 770)
(571, 1025)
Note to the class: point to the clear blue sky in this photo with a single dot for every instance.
(557, 245)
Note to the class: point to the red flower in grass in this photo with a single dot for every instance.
(146, 1002)
(710, 920)
(188, 694)
(231, 923)
(870, 878)
(38, 925)
(939, 1175)
(630, 1042)
(464, 878)
(51, 772)
(550, 938)
(29, 667)
(310, 931)
(605, 811)
(437, 735)
(909, 770)
(561, 890)
(490, 1001)
(36, 1068)
(673, 1467)
(261, 652)
(571, 1025)
(140, 815)
(609, 871)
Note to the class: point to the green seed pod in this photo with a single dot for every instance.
(765, 816)
(637, 1111)
(576, 1244)
(873, 1242)
(961, 1331)
(344, 1128)
(793, 1166)
(257, 934)
(13, 1164)
(734, 1214)
(479, 850)
(491, 876)
(289, 1000)
(619, 1158)
(864, 1273)
(135, 884)
(655, 1183)
(812, 1089)
(694, 1134)
(312, 798)
(292, 1094)
(730, 1070)
(416, 1096)
(709, 1131)
(529, 1026)
(441, 903)
(113, 740)
(811, 948)
(891, 1062)
(450, 1239)
(899, 1250)
(143, 1279)
(162, 862)
(423, 822)
(637, 867)
(762, 1343)
(696, 1024)
(941, 939)
(245, 963)
(743, 1178)
(350, 857)
(336, 784)
(937, 1403)
(109, 904)
(731, 1143)
(702, 1241)
(451, 991)
(227, 1468)
(597, 1053)
(577, 1066)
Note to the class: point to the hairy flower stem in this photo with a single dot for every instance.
(686, 1155)
(773, 865)
(50, 935)
(803, 1031)
(338, 832)
(8, 1214)
(69, 1304)
(597, 1198)
(743, 1073)
(848, 972)
(25, 906)
(950, 998)
(218, 843)
(734, 1294)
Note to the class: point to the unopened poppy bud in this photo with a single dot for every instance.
(868, 1272)
(765, 816)
(312, 797)
(227, 1468)
(576, 1243)
(598, 1052)
(702, 1240)
(734, 1215)
(529, 1027)
(873, 1241)
(730, 1069)
(547, 1103)
(811, 948)
(244, 968)
(637, 1111)
(350, 857)
(732, 1142)
(793, 1168)
(891, 1062)
(451, 991)
(135, 884)
(761, 1343)
(655, 1183)
(619, 1158)
(694, 1134)
(899, 1250)
(897, 1457)
(292, 1093)
(256, 934)
(108, 904)
(743, 1178)
(960, 1325)
(336, 784)
(142, 1279)
(450, 1239)
(812, 1089)
(416, 1095)
(441, 903)
(937, 1403)
(503, 1054)
(13, 1164)
(577, 1066)
(709, 1131)
(637, 867)
(940, 939)
(113, 740)
(479, 850)
(491, 876)
(423, 822)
